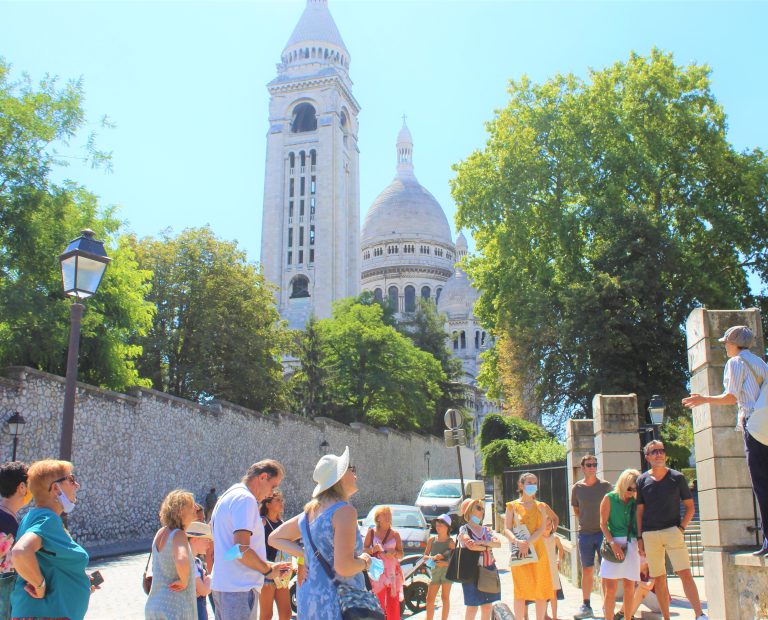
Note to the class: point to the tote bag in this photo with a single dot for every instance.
(463, 565)
(757, 424)
(520, 531)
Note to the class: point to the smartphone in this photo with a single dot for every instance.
(96, 578)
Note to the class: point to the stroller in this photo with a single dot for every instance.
(416, 578)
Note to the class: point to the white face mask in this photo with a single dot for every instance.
(67, 504)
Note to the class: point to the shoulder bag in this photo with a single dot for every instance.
(757, 423)
(487, 576)
(463, 565)
(520, 532)
(355, 604)
(606, 551)
(146, 580)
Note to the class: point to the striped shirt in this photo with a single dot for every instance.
(739, 381)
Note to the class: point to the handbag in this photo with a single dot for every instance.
(606, 552)
(356, 604)
(146, 580)
(488, 580)
(520, 531)
(463, 565)
(757, 423)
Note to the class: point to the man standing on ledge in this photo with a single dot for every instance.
(660, 529)
(744, 375)
(586, 496)
(239, 545)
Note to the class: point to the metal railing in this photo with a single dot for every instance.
(553, 488)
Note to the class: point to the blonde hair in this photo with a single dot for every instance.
(42, 474)
(625, 480)
(330, 496)
(173, 505)
(380, 512)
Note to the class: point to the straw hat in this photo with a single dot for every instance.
(467, 505)
(329, 470)
(198, 529)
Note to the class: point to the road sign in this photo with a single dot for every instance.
(455, 437)
(453, 418)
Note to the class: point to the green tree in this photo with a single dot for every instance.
(38, 218)
(604, 211)
(497, 426)
(372, 373)
(216, 333)
(307, 387)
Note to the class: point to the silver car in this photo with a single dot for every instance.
(409, 523)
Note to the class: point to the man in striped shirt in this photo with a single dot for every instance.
(744, 374)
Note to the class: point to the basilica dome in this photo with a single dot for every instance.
(459, 296)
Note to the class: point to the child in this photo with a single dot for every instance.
(555, 553)
(438, 552)
(200, 540)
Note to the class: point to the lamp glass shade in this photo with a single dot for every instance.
(656, 410)
(82, 266)
(16, 424)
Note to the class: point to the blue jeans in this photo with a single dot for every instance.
(589, 545)
(235, 605)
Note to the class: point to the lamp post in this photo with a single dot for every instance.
(325, 447)
(15, 428)
(427, 456)
(656, 412)
(82, 267)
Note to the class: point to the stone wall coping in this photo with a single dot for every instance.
(393, 431)
(745, 558)
(362, 426)
(292, 417)
(18, 373)
(13, 384)
(326, 422)
(141, 392)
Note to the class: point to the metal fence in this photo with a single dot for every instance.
(553, 488)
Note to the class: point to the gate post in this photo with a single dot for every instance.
(725, 489)
(617, 442)
(579, 441)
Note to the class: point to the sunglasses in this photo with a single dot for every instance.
(479, 508)
(353, 469)
(631, 489)
(590, 465)
(657, 452)
(70, 477)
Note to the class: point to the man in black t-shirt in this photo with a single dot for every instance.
(660, 527)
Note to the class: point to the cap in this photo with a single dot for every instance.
(445, 518)
(740, 335)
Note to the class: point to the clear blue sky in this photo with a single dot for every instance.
(185, 84)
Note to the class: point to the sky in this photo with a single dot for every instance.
(185, 85)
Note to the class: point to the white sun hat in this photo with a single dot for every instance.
(329, 470)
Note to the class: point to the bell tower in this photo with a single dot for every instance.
(310, 235)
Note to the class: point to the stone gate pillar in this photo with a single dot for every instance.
(725, 491)
(579, 441)
(617, 441)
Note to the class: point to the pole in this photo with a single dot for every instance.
(68, 415)
(461, 473)
(15, 445)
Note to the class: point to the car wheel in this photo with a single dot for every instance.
(415, 595)
(293, 597)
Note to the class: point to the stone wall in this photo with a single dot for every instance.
(131, 449)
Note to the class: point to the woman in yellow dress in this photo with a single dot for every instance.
(533, 582)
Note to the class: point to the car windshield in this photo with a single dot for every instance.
(401, 518)
(441, 489)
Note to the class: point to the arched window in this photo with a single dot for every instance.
(304, 118)
(291, 161)
(378, 295)
(463, 339)
(477, 340)
(302, 158)
(425, 292)
(437, 294)
(410, 298)
(455, 338)
(392, 294)
(313, 157)
(299, 287)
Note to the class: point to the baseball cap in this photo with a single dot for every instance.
(740, 335)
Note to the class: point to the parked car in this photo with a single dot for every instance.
(409, 523)
(444, 496)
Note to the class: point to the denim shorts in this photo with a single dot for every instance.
(589, 545)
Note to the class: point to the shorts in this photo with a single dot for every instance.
(589, 545)
(438, 576)
(236, 605)
(670, 541)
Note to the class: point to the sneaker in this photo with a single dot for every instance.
(585, 611)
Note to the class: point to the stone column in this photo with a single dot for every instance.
(617, 441)
(725, 490)
(579, 441)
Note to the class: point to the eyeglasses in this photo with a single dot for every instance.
(590, 465)
(657, 452)
(70, 477)
(353, 469)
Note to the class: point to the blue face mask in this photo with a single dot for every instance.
(233, 553)
(476, 520)
(530, 489)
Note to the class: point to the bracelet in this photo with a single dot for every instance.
(41, 586)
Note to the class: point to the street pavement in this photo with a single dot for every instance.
(122, 598)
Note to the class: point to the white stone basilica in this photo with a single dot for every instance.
(312, 248)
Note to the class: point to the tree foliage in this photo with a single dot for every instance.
(369, 372)
(497, 426)
(38, 218)
(216, 332)
(504, 454)
(604, 211)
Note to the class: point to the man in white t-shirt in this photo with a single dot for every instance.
(239, 545)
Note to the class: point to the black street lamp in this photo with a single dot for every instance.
(656, 412)
(427, 456)
(15, 428)
(82, 267)
(325, 447)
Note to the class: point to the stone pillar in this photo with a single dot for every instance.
(579, 441)
(725, 491)
(617, 441)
